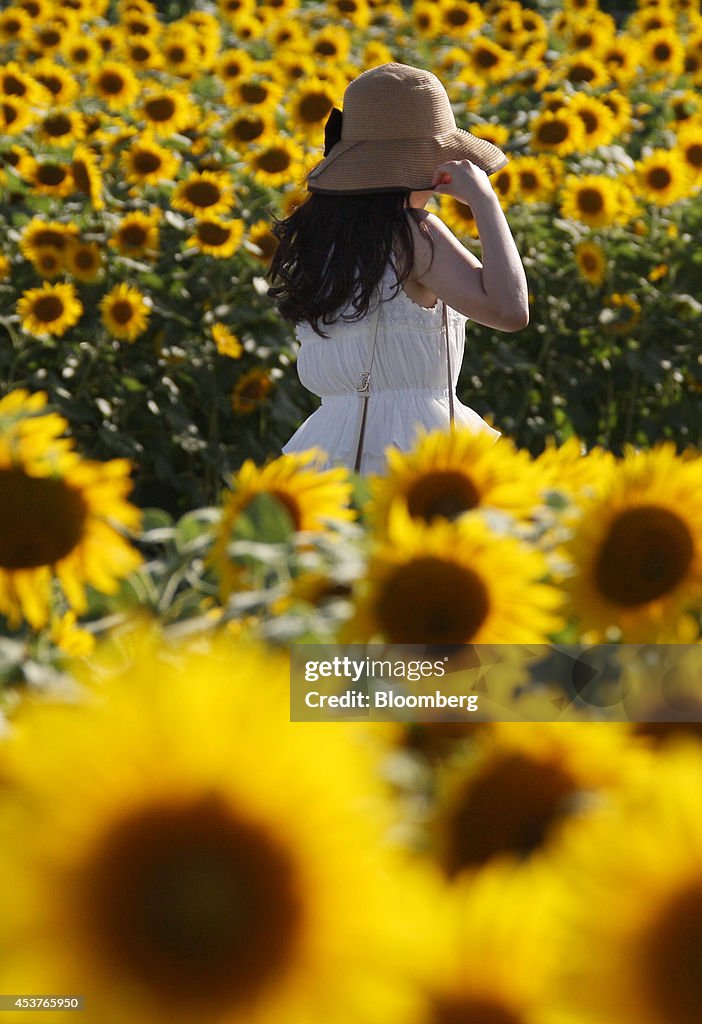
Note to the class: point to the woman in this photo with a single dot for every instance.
(385, 368)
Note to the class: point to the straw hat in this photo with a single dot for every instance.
(397, 126)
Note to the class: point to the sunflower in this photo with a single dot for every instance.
(49, 310)
(636, 548)
(632, 902)
(486, 62)
(534, 179)
(330, 44)
(309, 104)
(48, 261)
(227, 343)
(61, 85)
(231, 9)
(139, 856)
(15, 116)
(460, 18)
(137, 234)
(61, 127)
(251, 390)
(592, 199)
(621, 57)
(84, 260)
(166, 111)
(598, 120)
(505, 916)
(58, 515)
(246, 128)
(47, 177)
(685, 106)
(559, 132)
(217, 237)
(426, 18)
(621, 313)
(116, 85)
(277, 162)
(524, 787)
(452, 583)
(449, 473)
(254, 92)
(15, 25)
(40, 233)
(125, 312)
(180, 50)
(82, 53)
(265, 242)
(358, 12)
(85, 169)
(662, 52)
(581, 69)
(689, 146)
(591, 262)
(310, 497)
(146, 162)
(204, 194)
(143, 54)
(17, 84)
(663, 177)
(458, 216)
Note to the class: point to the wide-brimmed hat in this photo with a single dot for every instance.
(396, 127)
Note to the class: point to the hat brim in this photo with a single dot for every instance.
(388, 166)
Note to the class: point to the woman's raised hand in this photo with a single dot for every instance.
(463, 180)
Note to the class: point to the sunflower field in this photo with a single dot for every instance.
(173, 847)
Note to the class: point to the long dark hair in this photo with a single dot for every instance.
(332, 251)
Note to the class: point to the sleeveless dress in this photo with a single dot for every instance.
(408, 387)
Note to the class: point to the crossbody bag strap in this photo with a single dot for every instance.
(363, 389)
(448, 362)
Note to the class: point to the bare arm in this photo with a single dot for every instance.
(494, 292)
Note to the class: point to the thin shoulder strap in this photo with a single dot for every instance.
(363, 386)
(448, 361)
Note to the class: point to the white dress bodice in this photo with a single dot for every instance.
(409, 380)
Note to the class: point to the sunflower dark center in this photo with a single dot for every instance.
(176, 54)
(51, 82)
(140, 53)
(274, 161)
(49, 37)
(48, 308)
(581, 73)
(511, 806)
(485, 58)
(13, 86)
(213, 234)
(528, 181)
(133, 235)
(431, 600)
(80, 176)
(57, 125)
(326, 48)
(146, 161)
(198, 904)
(589, 261)
(9, 113)
(161, 108)
(111, 83)
(45, 236)
(314, 106)
(203, 193)
(645, 555)
(457, 17)
(41, 520)
(470, 1010)
(85, 259)
(671, 958)
(122, 311)
(51, 174)
(693, 154)
(251, 92)
(659, 178)
(246, 129)
(445, 493)
(551, 133)
(662, 52)
(590, 200)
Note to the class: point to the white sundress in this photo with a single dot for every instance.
(408, 387)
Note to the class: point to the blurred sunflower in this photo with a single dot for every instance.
(180, 50)
(452, 583)
(61, 127)
(663, 177)
(261, 236)
(524, 787)
(636, 548)
(204, 194)
(458, 216)
(15, 116)
(137, 233)
(449, 473)
(310, 496)
(621, 57)
(662, 52)
(176, 882)
(331, 43)
(143, 54)
(48, 261)
(559, 132)
(61, 85)
(426, 18)
(48, 177)
(309, 104)
(251, 390)
(247, 128)
(145, 162)
(620, 106)
(591, 262)
(15, 24)
(230, 9)
(125, 312)
(254, 91)
(116, 84)
(591, 199)
(621, 313)
(82, 53)
(39, 233)
(278, 161)
(689, 145)
(59, 516)
(50, 310)
(166, 111)
(631, 903)
(17, 84)
(85, 169)
(227, 343)
(217, 237)
(581, 69)
(84, 260)
(534, 179)
(460, 18)
(598, 120)
(486, 62)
